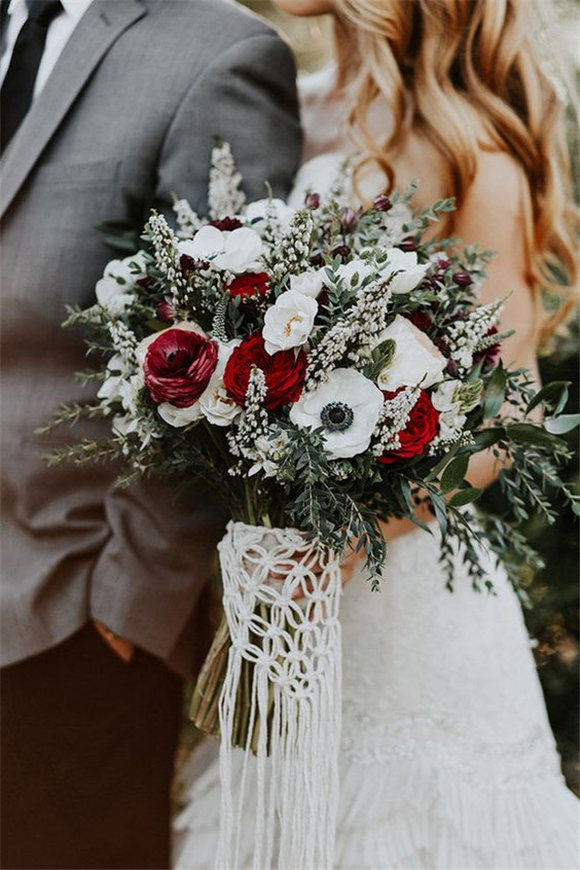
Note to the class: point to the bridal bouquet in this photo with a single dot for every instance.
(324, 369)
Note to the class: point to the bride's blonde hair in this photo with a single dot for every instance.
(432, 60)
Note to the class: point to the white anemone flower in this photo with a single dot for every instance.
(416, 359)
(289, 322)
(410, 272)
(234, 251)
(347, 406)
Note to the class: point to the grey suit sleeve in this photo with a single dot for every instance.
(161, 550)
(247, 97)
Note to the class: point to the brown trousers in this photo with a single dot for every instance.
(88, 746)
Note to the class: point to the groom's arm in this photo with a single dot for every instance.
(161, 549)
(247, 97)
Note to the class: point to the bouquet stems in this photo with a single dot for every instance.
(204, 708)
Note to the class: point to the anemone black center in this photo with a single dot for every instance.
(336, 416)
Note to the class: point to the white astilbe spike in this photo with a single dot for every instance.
(166, 251)
(394, 419)
(188, 220)
(465, 335)
(124, 341)
(225, 198)
(292, 254)
(350, 341)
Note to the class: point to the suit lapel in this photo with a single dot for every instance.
(94, 35)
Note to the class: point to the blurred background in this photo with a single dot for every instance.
(552, 614)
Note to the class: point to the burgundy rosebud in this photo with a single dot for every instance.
(408, 244)
(317, 260)
(348, 220)
(443, 263)
(382, 203)
(165, 311)
(188, 264)
(312, 201)
(342, 251)
(452, 368)
(226, 224)
(463, 279)
(144, 282)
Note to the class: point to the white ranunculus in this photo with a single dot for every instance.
(410, 273)
(179, 417)
(141, 349)
(257, 211)
(347, 406)
(289, 322)
(115, 290)
(215, 404)
(416, 359)
(236, 251)
(310, 283)
(444, 400)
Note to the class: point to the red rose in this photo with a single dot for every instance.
(178, 366)
(422, 427)
(285, 372)
(251, 284)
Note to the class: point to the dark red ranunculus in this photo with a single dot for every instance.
(250, 284)
(226, 224)
(285, 372)
(178, 366)
(422, 427)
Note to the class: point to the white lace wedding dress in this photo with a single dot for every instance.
(447, 757)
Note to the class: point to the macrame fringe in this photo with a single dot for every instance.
(295, 701)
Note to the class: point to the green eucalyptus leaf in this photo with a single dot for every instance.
(562, 424)
(495, 393)
(528, 433)
(454, 474)
(554, 392)
(465, 496)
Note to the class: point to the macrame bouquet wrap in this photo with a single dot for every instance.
(282, 615)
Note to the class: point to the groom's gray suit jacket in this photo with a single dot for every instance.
(134, 103)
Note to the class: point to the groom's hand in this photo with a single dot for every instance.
(121, 646)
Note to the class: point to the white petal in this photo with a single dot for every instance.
(179, 417)
(208, 242)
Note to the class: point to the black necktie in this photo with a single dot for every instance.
(18, 85)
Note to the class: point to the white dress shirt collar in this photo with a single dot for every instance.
(75, 8)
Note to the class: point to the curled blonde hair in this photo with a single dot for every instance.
(433, 60)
